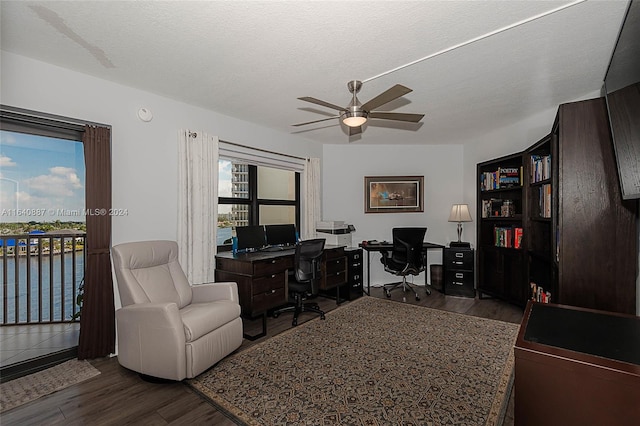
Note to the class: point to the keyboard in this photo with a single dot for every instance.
(277, 248)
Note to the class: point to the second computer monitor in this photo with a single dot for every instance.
(281, 235)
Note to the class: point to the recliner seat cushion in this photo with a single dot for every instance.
(199, 319)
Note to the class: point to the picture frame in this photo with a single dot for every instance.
(393, 194)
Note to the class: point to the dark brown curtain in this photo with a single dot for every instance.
(97, 319)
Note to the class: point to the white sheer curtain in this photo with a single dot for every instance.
(312, 197)
(197, 204)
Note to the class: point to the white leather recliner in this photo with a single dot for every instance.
(166, 327)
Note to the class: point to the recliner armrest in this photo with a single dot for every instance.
(154, 315)
(211, 292)
(151, 340)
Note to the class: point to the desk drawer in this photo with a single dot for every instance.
(336, 265)
(333, 253)
(266, 284)
(268, 300)
(272, 266)
(334, 279)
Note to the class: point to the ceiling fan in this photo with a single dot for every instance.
(356, 114)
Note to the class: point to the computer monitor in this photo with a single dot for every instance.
(281, 235)
(250, 237)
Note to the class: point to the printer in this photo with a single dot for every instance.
(335, 232)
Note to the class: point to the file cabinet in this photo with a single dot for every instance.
(459, 272)
(354, 268)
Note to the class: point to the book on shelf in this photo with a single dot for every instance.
(503, 177)
(497, 207)
(508, 177)
(538, 294)
(507, 236)
(517, 237)
(544, 200)
(491, 207)
(540, 168)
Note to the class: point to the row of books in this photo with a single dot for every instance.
(507, 236)
(538, 294)
(544, 200)
(504, 177)
(540, 168)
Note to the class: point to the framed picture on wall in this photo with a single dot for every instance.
(393, 194)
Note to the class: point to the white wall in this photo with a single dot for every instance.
(144, 155)
(345, 167)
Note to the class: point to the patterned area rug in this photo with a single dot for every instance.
(371, 362)
(28, 388)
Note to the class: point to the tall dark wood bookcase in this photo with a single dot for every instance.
(580, 238)
(541, 218)
(501, 266)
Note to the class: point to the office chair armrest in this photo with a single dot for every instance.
(210, 292)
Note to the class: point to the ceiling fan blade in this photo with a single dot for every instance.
(323, 103)
(399, 116)
(355, 130)
(387, 96)
(316, 121)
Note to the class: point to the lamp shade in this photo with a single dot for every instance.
(460, 213)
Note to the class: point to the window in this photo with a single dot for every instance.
(42, 196)
(254, 195)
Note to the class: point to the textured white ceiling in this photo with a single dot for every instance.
(253, 59)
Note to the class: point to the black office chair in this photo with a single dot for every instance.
(305, 281)
(407, 258)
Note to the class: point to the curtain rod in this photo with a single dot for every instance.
(29, 116)
(263, 150)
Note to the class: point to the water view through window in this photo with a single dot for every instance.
(42, 227)
(271, 199)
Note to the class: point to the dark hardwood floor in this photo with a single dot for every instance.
(119, 396)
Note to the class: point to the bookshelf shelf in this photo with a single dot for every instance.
(516, 218)
(542, 182)
(512, 188)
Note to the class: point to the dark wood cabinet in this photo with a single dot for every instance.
(580, 238)
(576, 366)
(502, 274)
(596, 238)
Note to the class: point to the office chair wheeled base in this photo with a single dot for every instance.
(405, 287)
(297, 308)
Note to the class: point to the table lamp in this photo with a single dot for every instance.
(460, 213)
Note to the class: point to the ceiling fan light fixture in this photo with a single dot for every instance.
(354, 117)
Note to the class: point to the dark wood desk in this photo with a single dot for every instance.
(386, 246)
(577, 366)
(262, 278)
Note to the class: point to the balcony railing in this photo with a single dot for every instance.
(41, 276)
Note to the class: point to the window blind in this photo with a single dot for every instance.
(260, 157)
